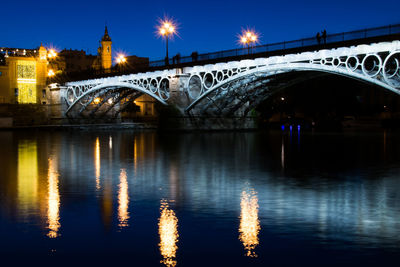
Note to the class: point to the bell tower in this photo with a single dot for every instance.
(106, 55)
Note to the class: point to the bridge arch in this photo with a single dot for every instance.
(115, 91)
(253, 78)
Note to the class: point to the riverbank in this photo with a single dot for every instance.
(104, 126)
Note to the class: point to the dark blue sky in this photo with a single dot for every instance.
(204, 25)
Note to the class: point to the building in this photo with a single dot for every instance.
(104, 60)
(73, 61)
(135, 63)
(23, 74)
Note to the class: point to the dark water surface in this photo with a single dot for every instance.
(209, 199)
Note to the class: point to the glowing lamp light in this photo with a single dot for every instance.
(248, 38)
(51, 73)
(96, 100)
(121, 59)
(52, 53)
(166, 28)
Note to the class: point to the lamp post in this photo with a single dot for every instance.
(50, 73)
(121, 60)
(165, 29)
(248, 37)
(51, 54)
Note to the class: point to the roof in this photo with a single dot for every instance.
(106, 37)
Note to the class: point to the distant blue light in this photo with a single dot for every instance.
(283, 127)
(291, 127)
(298, 127)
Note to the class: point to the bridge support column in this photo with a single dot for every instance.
(55, 103)
(178, 97)
(174, 117)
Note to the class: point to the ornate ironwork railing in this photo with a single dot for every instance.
(281, 46)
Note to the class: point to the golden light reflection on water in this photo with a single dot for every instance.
(135, 153)
(97, 162)
(53, 212)
(283, 154)
(168, 231)
(249, 223)
(27, 176)
(123, 200)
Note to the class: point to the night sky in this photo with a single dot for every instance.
(204, 26)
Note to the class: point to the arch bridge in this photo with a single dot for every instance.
(235, 87)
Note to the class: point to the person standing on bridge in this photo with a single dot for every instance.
(324, 36)
(195, 56)
(318, 36)
(178, 58)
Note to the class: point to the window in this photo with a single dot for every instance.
(1, 73)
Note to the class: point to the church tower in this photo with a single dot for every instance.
(106, 55)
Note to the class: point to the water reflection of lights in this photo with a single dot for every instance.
(135, 154)
(168, 231)
(97, 163)
(27, 177)
(249, 223)
(123, 200)
(283, 153)
(53, 212)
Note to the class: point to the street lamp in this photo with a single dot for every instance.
(121, 60)
(51, 73)
(52, 53)
(165, 29)
(248, 37)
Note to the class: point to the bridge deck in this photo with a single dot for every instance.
(346, 39)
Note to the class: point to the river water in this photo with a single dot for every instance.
(200, 199)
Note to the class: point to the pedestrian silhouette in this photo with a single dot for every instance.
(324, 36)
(195, 55)
(318, 38)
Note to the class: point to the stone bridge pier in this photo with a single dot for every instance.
(178, 117)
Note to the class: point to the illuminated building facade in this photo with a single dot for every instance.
(23, 74)
(26, 73)
(105, 52)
